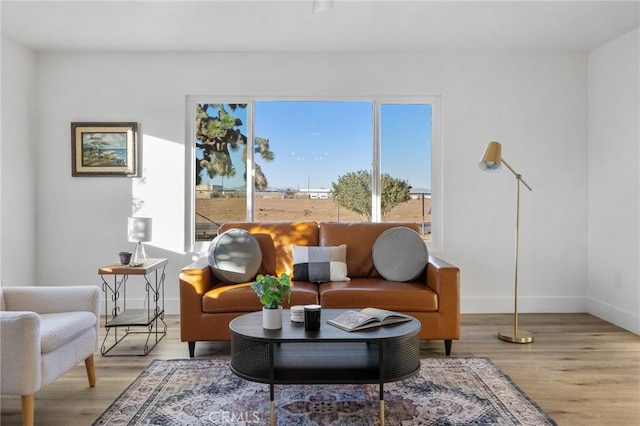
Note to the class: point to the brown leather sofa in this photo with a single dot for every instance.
(207, 306)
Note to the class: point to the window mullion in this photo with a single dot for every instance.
(250, 185)
(375, 167)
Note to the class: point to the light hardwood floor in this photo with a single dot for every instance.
(580, 370)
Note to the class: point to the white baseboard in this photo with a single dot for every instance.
(614, 315)
(503, 305)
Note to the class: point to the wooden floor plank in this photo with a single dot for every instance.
(579, 369)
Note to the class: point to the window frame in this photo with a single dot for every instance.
(436, 243)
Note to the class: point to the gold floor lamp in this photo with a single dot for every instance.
(491, 162)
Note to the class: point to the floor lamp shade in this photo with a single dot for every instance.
(492, 158)
(491, 161)
(139, 231)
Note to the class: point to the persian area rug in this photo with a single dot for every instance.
(446, 391)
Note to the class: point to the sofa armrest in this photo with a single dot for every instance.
(444, 279)
(195, 280)
(20, 352)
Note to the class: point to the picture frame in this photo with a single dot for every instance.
(104, 149)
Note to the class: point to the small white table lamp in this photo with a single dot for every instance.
(139, 231)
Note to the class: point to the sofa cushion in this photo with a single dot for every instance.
(284, 235)
(378, 293)
(400, 254)
(268, 250)
(58, 329)
(320, 264)
(225, 298)
(235, 256)
(359, 238)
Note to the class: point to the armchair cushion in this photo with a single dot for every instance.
(57, 330)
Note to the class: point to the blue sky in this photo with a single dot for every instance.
(316, 142)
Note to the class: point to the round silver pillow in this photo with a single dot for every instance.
(235, 256)
(400, 254)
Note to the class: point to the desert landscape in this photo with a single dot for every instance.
(211, 212)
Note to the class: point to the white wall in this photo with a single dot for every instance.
(614, 182)
(534, 103)
(20, 165)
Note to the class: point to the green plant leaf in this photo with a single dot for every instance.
(271, 290)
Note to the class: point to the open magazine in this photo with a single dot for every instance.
(366, 318)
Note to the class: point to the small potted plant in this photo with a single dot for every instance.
(271, 290)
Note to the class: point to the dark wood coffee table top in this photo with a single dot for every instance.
(250, 326)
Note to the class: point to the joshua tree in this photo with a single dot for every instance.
(217, 134)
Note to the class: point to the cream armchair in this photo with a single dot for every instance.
(44, 332)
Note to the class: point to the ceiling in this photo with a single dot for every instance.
(290, 26)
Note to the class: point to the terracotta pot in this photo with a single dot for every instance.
(272, 318)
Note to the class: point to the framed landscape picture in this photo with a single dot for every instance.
(104, 149)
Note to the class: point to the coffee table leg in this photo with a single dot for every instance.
(272, 406)
(381, 404)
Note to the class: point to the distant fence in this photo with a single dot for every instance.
(211, 212)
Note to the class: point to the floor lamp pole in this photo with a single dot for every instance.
(515, 335)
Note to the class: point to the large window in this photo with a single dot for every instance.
(220, 137)
(405, 156)
(363, 160)
(314, 144)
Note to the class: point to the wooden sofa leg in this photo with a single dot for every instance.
(28, 408)
(192, 349)
(91, 370)
(447, 347)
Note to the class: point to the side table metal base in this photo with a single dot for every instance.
(159, 335)
(117, 315)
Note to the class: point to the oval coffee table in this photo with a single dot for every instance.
(330, 355)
